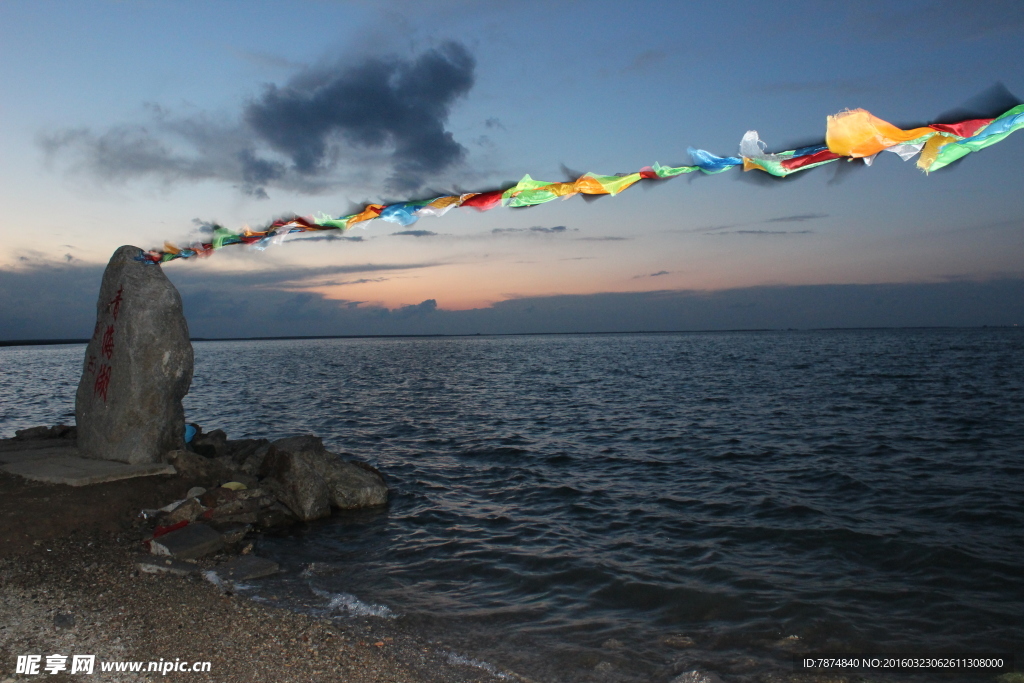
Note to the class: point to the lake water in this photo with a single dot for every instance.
(630, 507)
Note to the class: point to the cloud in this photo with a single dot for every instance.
(708, 229)
(416, 233)
(726, 229)
(342, 283)
(494, 123)
(537, 229)
(764, 232)
(604, 239)
(658, 274)
(43, 299)
(383, 112)
(797, 218)
(423, 308)
(331, 237)
(378, 104)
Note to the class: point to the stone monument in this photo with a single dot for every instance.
(137, 368)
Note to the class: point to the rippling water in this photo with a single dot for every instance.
(628, 507)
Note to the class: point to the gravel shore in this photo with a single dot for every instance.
(70, 586)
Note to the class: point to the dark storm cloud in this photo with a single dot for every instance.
(379, 104)
(387, 112)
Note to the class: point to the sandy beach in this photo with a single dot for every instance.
(71, 587)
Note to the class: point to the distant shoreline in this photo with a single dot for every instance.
(55, 342)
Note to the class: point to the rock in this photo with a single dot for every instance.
(245, 518)
(246, 567)
(239, 450)
(194, 466)
(353, 486)
(697, 677)
(227, 506)
(274, 516)
(64, 620)
(348, 485)
(195, 492)
(148, 564)
(187, 543)
(188, 511)
(32, 433)
(290, 475)
(63, 432)
(211, 445)
(254, 462)
(137, 367)
(233, 534)
(226, 463)
(218, 496)
(236, 507)
(261, 497)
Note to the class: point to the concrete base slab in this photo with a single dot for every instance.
(187, 543)
(62, 465)
(247, 567)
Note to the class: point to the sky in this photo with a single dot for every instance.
(139, 122)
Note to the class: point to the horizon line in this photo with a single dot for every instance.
(57, 342)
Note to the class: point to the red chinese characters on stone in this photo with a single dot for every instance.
(115, 303)
(102, 382)
(107, 345)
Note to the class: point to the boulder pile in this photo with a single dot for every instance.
(250, 485)
(45, 433)
(240, 486)
(294, 477)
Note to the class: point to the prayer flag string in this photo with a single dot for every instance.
(851, 134)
